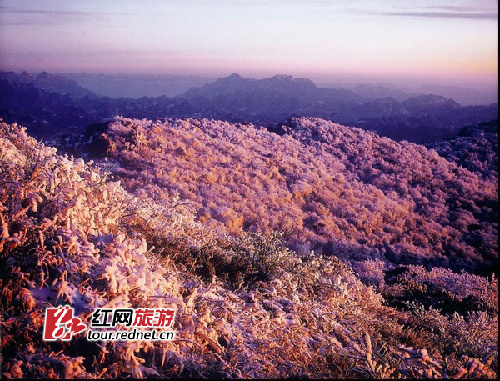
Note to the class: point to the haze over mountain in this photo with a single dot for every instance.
(136, 85)
(466, 94)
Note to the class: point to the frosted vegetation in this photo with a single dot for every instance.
(475, 148)
(203, 220)
(333, 189)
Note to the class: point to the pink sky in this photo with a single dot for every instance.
(451, 41)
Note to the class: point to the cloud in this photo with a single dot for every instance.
(45, 12)
(28, 17)
(460, 8)
(57, 12)
(456, 10)
(442, 14)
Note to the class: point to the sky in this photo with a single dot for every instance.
(443, 40)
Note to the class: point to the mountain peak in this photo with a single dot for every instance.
(230, 82)
(45, 75)
(231, 79)
(287, 82)
(283, 77)
(431, 100)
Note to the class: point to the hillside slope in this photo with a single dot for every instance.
(338, 190)
(474, 148)
(70, 235)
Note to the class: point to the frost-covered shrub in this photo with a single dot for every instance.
(371, 272)
(469, 292)
(238, 261)
(61, 224)
(258, 258)
(469, 336)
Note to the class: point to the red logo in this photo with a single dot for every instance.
(60, 324)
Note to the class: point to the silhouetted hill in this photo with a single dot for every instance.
(269, 100)
(43, 113)
(422, 103)
(48, 114)
(49, 82)
(60, 84)
(284, 84)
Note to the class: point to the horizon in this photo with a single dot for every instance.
(461, 92)
(454, 43)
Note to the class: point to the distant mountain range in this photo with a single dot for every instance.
(466, 96)
(270, 100)
(49, 104)
(48, 82)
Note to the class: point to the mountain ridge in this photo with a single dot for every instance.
(267, 102)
